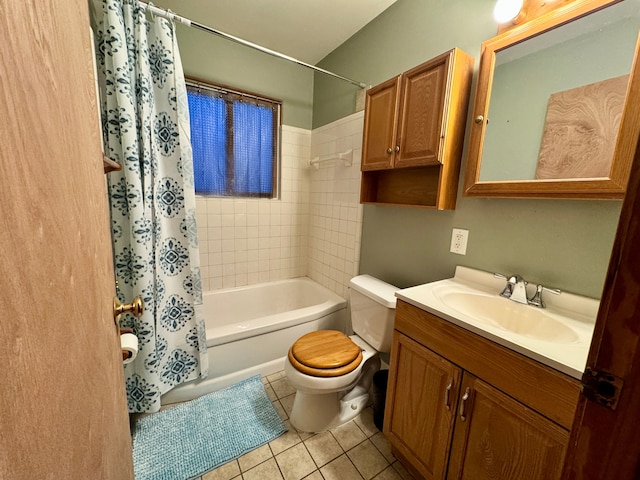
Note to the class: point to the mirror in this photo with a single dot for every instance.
(555, 112)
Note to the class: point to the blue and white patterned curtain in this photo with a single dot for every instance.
(145, 120)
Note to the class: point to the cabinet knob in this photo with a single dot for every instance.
(389, 150)
(479, 119)
(397, 148)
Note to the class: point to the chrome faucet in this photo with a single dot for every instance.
(516, 290)
(536, 299)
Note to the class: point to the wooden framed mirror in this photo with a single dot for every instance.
(556, 111)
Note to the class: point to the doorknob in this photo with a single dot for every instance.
(136, 307)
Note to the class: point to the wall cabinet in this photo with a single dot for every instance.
(456, 410)
(414, 132)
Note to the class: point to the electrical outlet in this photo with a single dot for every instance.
(459, 239)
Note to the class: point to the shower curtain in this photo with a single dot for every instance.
(145, 121)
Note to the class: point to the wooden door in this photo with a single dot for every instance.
(421, 121)
(605, 442)
(63, 411)
(380, 125)
(498, 438)
(421, 399)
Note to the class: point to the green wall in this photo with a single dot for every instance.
(562, 243)
(215, 59)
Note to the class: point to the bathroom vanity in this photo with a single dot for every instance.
(465, 402)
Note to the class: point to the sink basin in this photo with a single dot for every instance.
(558, 336)
(510, 316)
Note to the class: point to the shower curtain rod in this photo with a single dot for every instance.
(168, 14)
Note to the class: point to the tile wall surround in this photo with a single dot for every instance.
(313, 229)
(335, 212)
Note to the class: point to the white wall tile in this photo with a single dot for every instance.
(313, 229)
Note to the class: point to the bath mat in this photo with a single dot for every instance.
(192, 438)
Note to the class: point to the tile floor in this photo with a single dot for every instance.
(354, 451)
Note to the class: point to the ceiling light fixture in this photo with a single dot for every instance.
(508, 10)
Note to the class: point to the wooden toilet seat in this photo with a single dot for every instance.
(325, 353)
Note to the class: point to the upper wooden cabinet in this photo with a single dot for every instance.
(381, 125)
(413, 134)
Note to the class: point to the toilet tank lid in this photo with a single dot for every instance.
(376, 289)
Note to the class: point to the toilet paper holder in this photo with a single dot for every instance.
(136, 308)
(125, 353)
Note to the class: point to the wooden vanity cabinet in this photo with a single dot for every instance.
(456, 411)
(497, 437)
(414, 132)
(419, 420)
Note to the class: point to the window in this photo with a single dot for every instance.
(235, 139)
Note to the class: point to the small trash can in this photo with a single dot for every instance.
(380, 379)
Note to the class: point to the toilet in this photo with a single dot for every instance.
(332, 372)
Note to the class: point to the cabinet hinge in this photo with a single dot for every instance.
(601, 387)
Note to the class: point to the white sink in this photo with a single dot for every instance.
(558, 336)
(511, 316)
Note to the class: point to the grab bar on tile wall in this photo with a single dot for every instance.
(332, 159)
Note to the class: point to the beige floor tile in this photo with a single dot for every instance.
(382, 443)
(348, 435)
(287, 403)
(265, 471)
(314, 476)
(295, 463)
(282, 388)
(388, 473)
(287, 440)
(270, 393)
(367, 459)
(402, 470)
(323, 448)
(275, 376)
(224, 472)
(306, 435)
(280, 409)
(365, 422)
(254, 457)
(340, 469)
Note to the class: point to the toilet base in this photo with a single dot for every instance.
(316, 412)
(319, 413)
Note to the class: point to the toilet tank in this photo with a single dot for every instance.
(373, 307)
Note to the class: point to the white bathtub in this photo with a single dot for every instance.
(250, 330)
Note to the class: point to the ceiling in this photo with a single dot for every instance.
(307, 30)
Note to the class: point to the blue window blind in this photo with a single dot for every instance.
(209, 143)
(235, 143)
(252, 148)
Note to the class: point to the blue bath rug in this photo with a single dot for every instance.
(192, 438)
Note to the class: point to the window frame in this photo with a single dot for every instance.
(229, 95)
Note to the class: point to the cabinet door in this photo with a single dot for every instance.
(421, 128)
(422, 396)
(380, 125)
(498, 438)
